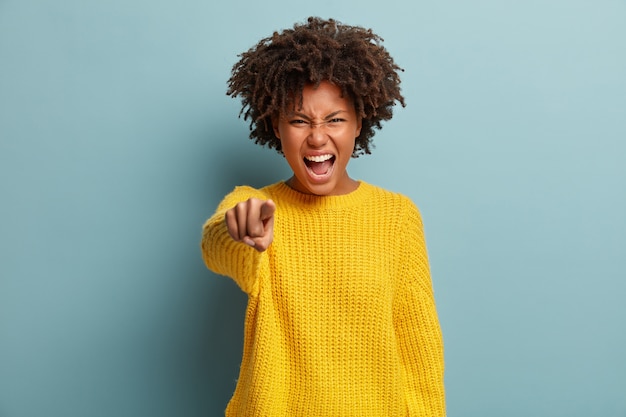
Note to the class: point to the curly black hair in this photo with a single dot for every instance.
(272, 74)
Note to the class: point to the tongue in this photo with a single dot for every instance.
(320, 168)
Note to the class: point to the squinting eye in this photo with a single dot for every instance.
(298, 122)
(336, 122)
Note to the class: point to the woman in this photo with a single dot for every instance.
(341, 317)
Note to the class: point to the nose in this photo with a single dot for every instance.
(317, 134)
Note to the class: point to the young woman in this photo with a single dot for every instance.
(341, 317)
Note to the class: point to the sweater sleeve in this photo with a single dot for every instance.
(225, 256)
(417, 325)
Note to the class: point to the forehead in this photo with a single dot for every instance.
(318, 98)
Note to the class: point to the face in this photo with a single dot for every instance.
(318, 140)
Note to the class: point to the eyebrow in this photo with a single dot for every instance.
(329, 116)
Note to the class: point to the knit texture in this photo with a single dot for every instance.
(341, 317)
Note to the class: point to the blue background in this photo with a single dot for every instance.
(117, 141)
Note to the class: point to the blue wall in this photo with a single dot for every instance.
(117, 141)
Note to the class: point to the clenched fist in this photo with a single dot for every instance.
(252, 222)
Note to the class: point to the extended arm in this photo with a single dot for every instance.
(242, 217)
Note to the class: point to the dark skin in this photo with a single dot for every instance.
(252, 222)
(270, 76)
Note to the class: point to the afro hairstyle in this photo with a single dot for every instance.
(270, 76)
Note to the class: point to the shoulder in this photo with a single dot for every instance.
(393, 198)
(396, 205)
(242, 193)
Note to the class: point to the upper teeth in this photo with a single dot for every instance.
(318, 158)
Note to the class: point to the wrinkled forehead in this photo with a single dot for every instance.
(292, 101)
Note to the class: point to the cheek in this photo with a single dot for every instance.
(290, 147)
(291, 138)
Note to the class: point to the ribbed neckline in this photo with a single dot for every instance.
(284, 192)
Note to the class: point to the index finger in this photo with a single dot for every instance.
(267, 210)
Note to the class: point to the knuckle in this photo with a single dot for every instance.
(240, 208)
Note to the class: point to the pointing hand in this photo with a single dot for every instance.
(252, 222)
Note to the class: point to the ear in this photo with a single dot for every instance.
(359, 125)
(274, 121)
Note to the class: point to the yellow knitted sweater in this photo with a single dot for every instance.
(341, 318)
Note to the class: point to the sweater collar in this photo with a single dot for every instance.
(281, 191)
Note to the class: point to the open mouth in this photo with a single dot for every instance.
(319, 165)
